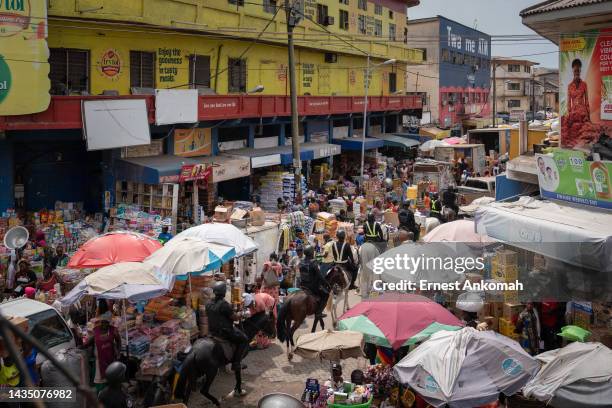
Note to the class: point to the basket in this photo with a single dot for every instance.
(519, 401)
(364, 405)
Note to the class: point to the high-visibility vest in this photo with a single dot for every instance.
(371, 231)
(338, 256)
(435, 206)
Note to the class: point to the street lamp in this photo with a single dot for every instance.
(257, 89)
(365, 109)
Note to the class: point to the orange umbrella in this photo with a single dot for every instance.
(112, 248)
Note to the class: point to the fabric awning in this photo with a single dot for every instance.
(354, 143)
(151, 170)
(397, 141)
(413, 136)
(226, 167)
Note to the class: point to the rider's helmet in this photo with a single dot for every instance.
(309, 252)
(115, 373)
(341, 235)
(219, 289)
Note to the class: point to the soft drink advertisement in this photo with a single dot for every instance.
(585, 86)
(566, 175)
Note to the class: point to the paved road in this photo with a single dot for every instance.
(270, 371)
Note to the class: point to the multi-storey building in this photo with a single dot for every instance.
(100, 49)
(513, 80)
(455, 74)
(547, 97)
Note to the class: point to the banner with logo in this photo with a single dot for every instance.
(24, 66)
(585, 86)
(195, 172)
(566, 175)
(192, 142)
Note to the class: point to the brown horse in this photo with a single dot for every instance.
(300, 305)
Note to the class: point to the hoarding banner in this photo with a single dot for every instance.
(24, 54)
(585, 86)
(194, 172)
(192, 142)
(566, 175)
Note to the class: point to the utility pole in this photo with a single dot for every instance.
(292, 21)
(494, 113)
(533, 107)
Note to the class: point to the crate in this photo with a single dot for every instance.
(506, 257)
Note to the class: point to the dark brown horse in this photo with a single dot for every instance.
(300, 305)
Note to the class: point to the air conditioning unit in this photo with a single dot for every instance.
(329, 21)
(331, 57)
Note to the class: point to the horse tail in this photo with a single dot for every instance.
(185, 376)
(281, 321)
(330, 302)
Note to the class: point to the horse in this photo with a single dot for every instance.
(208, 355)
(342, 281)
(297, 307)
(367, 252)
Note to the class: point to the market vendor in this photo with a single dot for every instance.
(60, 259)
(336, 382)
(259, 302)
(24, 278)
(107, 345)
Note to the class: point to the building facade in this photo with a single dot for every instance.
(455, 73)
(513, 80)
(226, 49)
(547, 83)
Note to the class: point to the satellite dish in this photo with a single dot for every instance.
(16, 238)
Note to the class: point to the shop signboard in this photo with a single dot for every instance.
(195, 172)
(192, 142)
(585, 86)
(265, 161)
(24, 70)
(233, 168)
(566, 175)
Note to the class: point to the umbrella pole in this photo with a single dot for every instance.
(127, 347)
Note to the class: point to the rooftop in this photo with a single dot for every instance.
(554, 5)
(516, 61)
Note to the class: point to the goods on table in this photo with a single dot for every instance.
(328, 221)
(130, 217)
(277, 184)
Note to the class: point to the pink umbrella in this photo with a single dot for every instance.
(454, 140)
(457, 231)
(112, 248)
(402, 317)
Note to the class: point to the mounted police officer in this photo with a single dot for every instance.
(221, 319)
(312, 280)
(343, 256)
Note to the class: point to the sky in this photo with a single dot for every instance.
(494, 17)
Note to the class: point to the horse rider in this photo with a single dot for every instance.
(436, 207)
(313, 281)
(343, 256)
(221, 318)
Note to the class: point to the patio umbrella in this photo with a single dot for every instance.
(432, 266)
(182, 256)
(330, 345)
(466, 368)
(454, 140)
(457, 231)
(396, 320)
(112, 248)
(223, 234)
(578, 375)
(432, 144)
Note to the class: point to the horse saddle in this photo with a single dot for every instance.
(223, 347)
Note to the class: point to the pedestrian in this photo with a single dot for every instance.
(436, 207)
(377, 211)
(164, 236)
(528, 325)
(107, 344)
(294, 264)
(328, 256)
(24, 278)
(271, 273)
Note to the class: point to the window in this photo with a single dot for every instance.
(322, 14)
(405, 35)
(48, 328)
(392, 82)
(460, 58)
(514, 103)
(362, 5)
(514, 86)
(142, 69)
(199, 71)
(391, 14)
(378, 9)
(378, 28)
(68, 71)
(361, 24)
(344, 20)
(527, 68)
(269, 6)
(424, 51)
(237, 75)
(445, 55)
(345, 2)
(239, 3)
(514, 68)
(453, 57)
(392, 32)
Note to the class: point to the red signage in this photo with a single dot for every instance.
(194, 172)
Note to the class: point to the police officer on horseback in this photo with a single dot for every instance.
(312, 280)
(221, 319)
(343, 256)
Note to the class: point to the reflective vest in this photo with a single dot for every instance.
(338, 256)
(371, 231)
(435, 206)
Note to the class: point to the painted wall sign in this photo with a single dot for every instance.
(169, 61)
(24, 70)
(110, 64)
(192, 142)
(231, 169)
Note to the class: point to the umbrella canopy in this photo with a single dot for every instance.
(457, 231)
(133, 281)
(432, 266)
(223, 234)
(186, 255)
(432, 144)
(330, 345)
(454, 140)
(579, 374)
(466, 368)
(112, 248)
(396, 320)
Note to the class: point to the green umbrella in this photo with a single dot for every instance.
(372, 334)
(574, 333)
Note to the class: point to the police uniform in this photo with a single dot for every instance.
(221, 324)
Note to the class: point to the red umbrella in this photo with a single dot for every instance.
(112, 248)
(401, 316)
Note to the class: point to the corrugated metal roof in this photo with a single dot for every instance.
(554, 5)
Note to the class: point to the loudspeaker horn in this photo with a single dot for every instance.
(16, 238)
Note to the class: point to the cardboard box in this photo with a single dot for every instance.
(512, 310)
(257, 217)
(21, 323)
(506, 327)
(238, 214)
(506, 257)
(497, 309)
(222, 214)
(504, 273)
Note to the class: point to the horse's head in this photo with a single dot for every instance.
(336, 278)
(263, 321)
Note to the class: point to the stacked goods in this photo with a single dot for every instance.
(337, 204)
(359, 207)
(504, 268)
(507, 323)
(289, 185)
(329, 221)
(157, 304)
(271, 188)
(130, 217)
(179, 289)
(319, 175)
(349, 229)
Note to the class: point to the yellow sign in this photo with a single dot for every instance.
(192, 142)
(572, 44)
(24, 67)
